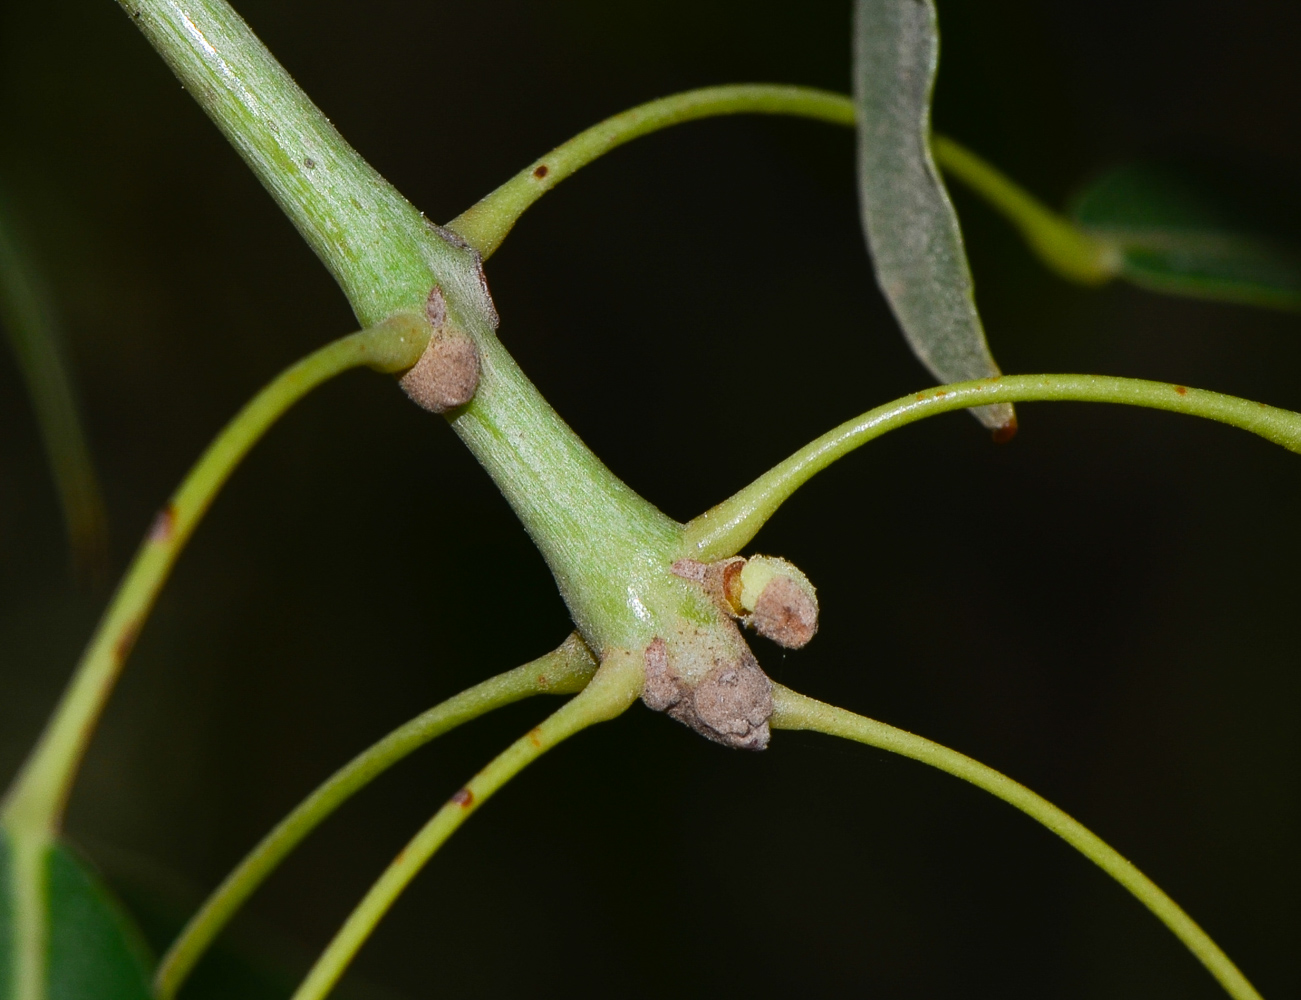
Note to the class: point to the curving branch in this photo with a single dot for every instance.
(722, 530)
(565, 670)
(615, 687)
(797, 711)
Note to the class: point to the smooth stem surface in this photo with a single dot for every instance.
(615, 686)
(1062, 245)
(797, 711)
(485, 224)
(565, 670)
(724, 529)
(40, 792)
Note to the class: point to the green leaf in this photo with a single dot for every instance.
(912, 229)
(93, 951)
(29, 320)
(1189, 232)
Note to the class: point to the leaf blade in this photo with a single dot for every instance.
(910, 224)
(1179, 234)
(33, 333)
(92, 948)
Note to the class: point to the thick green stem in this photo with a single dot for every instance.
(724, 529)
(566, 670)
(606, 545)
(797, 711)
(615, 686)
(37, 798)
(486, 223)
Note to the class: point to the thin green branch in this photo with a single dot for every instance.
(565, 670)
(1063, 246)
(724, 529)
(29, 320)
(485, 224)
(616, 686)
(797, 711)
(37, 798)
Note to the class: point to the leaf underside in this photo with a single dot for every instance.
(93, 950)
(1190, 232)
(911, 227)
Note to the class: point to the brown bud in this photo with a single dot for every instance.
(447, 374)
(711, 683)
(782, 603)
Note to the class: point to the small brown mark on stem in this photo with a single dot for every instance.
(464, 798)
(1182, 390)
(309, 163)
(163, 529)
(535, 737)
(540, 171)
(544, 682)
(122, 648)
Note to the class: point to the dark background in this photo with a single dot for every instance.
(1106, 609)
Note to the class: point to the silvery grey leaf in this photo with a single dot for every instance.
(911, 227)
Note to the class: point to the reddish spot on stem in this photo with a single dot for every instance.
(940, 394)
(464, 798)
(122, 648)
(540, 171)
(535, 737)
(543, 683)
(921, 396)
(1004, 434)
(163, 529)
(1181, 390)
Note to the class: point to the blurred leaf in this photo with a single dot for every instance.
(29, 321)
(912, 229)
(1194, 233)
(247, 961)
(93, 950)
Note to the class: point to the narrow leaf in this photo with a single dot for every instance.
(1186, 232)
(912, 229)
(93, 951)
(29, 321)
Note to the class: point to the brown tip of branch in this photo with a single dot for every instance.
(1004, 434)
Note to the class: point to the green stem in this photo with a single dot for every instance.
(724, 529)
(616, 685)
(797, 711)
(486, 223)
(38, 796)
(566, 670)
(606, 546)
(1060, 244)
(1063, 246)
